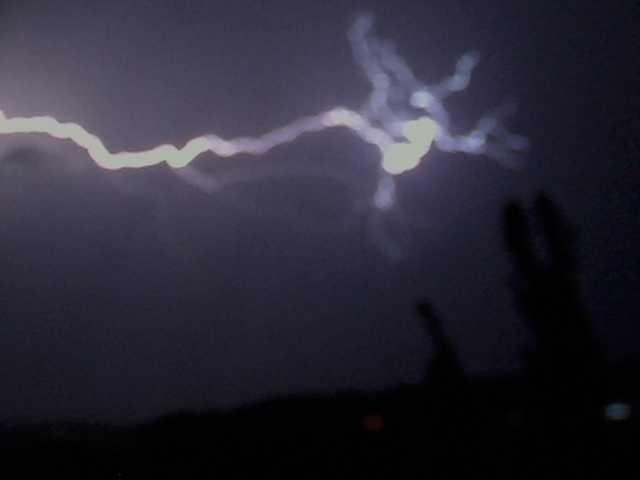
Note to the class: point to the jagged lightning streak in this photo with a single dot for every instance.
(402, 117)
(180, 157)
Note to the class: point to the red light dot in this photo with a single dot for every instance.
(373, 422)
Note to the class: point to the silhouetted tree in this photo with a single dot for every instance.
(444, 372)
(565, 366)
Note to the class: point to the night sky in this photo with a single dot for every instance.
(129, 294)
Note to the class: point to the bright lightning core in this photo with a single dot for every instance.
(403, 131)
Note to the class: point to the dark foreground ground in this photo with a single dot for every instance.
(567, 415)
(493, 429)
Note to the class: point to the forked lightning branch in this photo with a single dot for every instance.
(402, 117)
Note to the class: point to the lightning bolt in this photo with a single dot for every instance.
(403, 134)
(178, 157)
